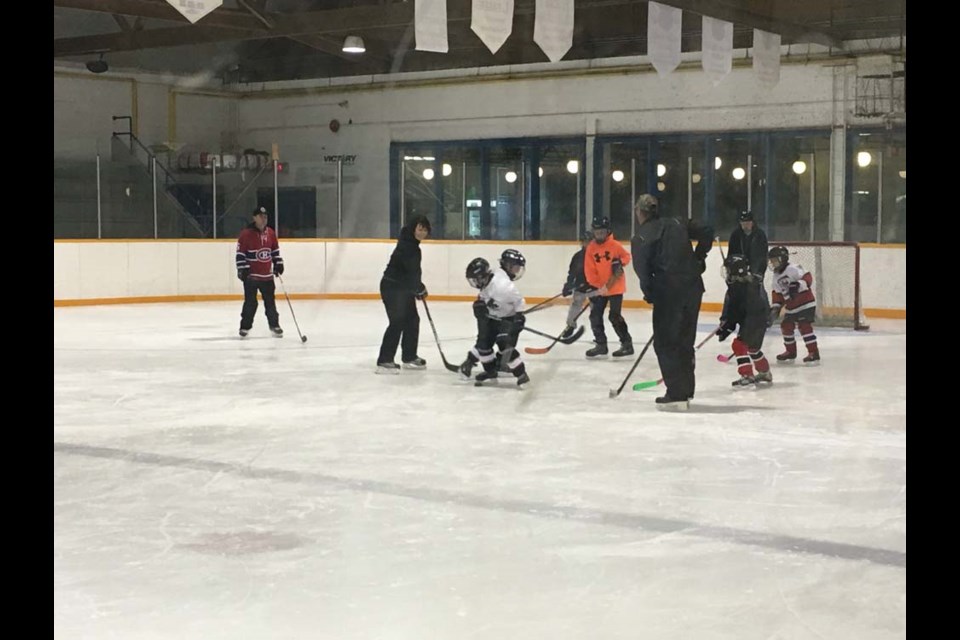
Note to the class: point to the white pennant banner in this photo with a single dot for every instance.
(430, 25)
(193, 10)
(663, 37)
(766, 56)
(553, 27)
(492, 21)
(717, 48)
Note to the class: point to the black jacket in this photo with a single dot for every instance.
(403, 271)
(576, 279)
(746, 305)
(663, 259)
(753, 247)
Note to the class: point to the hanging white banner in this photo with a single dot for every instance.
(553, 27)
(766, 56)
(663, 37)
(492, 21)
(717, 48)
(430, 25)
(193, 10)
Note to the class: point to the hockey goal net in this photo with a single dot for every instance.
(836, 280)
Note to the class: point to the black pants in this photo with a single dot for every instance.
(401, 306)
(674, 333)
(597, 306)
(267, 289)
(503, 333)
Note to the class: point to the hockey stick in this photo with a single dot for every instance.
(568, 340)
(614, 394)
(303, 338)
(450, 367)
(725, 359)
(640, 386)
(543, 304)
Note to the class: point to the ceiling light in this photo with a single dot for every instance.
(573, 166)
(799, 167)
(447, 169)
(864, 158)
(353, 44)
(661, 170)
(510, 176)
(428, 173)
(617, 176)
(738, 173)
(97, 66)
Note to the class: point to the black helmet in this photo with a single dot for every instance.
(737, 269)
(745, 216)
(601, 223)
(479, 273)
(513, 263)
(778, 257)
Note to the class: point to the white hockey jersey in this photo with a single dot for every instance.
(803, 298)
(501, 295)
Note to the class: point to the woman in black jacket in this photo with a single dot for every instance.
(400, 287)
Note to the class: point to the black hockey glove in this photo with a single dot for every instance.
(421, 292)
(617, 266)
(278, 267)
(724, 330)
(242, 273)
(518, 321)
(586, 287)
(793, 288)
(479, 309)
(567, 289)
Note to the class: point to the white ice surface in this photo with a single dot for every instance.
(213, 488)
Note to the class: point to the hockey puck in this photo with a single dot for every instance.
(303, 338)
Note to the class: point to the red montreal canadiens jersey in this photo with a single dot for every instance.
(259, 250)
(803, 298)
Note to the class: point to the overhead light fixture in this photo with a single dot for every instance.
(97, 66)
(617, 175)
(353, 44)
(799, 167)
(573, 166)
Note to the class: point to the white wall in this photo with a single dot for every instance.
(138, 269)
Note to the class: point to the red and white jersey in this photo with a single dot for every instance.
(258, 250)
(803, 298)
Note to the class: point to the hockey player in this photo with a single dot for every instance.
(603, 264)
(498, 310)
(745, 308)
(792, 289)
(669, 270)
(576, 285)
(257, 259)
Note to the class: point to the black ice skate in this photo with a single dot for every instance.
(567, 332)
(523, 379)
(763, 376)
(388, 367)
(598, 350)
(665, 402)
(244, 332)
(744, 382)
(813, 358)
(276, 331)
(483, 376)
(416, 363)
(787, 356)
(626, 349)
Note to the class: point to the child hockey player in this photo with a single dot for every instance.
(745, 307)
(498, 310)
(603, 265)
(576, 285)
(792, 289)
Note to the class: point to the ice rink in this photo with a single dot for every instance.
(212, 487)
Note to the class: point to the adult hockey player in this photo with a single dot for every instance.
(669, 271)
(749, 240)
(793, 290)
(498, 310)
(257, 259)
(745, 308)
(603, 262)
(400, 287)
